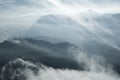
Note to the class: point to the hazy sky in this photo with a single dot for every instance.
(22, 14)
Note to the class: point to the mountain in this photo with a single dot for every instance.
(58, 28)
(89, 34)
(14, 51)
(44, 52)
(98, 35)
(56, 55)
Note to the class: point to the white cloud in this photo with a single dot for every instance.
(96, 71)
(57, 74)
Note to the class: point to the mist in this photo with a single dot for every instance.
(81, 36)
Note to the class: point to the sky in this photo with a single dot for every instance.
(19, 15)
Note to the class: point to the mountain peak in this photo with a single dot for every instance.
(52, 19)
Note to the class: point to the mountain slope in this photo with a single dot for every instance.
(54, 55)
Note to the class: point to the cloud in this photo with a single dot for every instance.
(91, 1)
(53, 74)
(14, 4)
(31, 71)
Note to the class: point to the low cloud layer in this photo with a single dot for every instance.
(28, 71)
